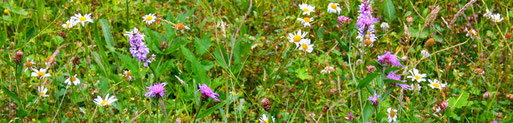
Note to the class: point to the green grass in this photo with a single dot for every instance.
(240, 49)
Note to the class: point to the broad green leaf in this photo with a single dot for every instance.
(106, 32)
(367, 80)
(389, 10)
(303, 74)
(367, 112)
(202, 44)
(188, 54)
(209, 111)
(460, 101)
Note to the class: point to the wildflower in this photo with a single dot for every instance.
(328, 69)
(436, 108)
(41, 73)
(29, 64)
(266, 104)
(50, 60)
(365, 24)
(70, 23)
(206, 91)
(333, 7)
(488, 14)
(349, 116)
(416, 76)
(374, 99)
(265, 119)
(306, 8)
(134, 31)
(509, 96)
(150, 18)
(306, 21)
(297, 37)
(18, 56)
(415, 87)
(487, 94)
(6, 11)
(385, 25)
(137, 47)
(370, 68)
(72, 79)
(472, 33)
(497, 18)
(181, 27)
(425, 53)
(430, 42)
(107, 101)
(128, 75)
(42, 91)
(157, 90)
(82, 19)
(392, 117)
(306, 46)
(343, 20)
(436, 84)
(389, 59)
(445, 104)
(479, 71)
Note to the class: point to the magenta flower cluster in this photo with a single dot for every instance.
(157, 90)
(205, 90)
(389, 59)
(365, 22)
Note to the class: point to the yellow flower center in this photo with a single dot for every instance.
(417, 77)
(367, 42)
(306, 19)
(436, 85)
(333, 6)
(179, 26)
(306, 10)
(28, 64)
(6, 11)
(40, 73)
(149, 18)
(67, 25)
(73, 79)
(42, 93)
(266, 121)
(496, 20)
(392, 113)
(104, 102)
(82, 19)
(304, 46)
(297, 38)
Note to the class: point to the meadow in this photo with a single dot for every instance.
(256, 61)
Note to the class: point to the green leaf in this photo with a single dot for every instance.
(303, 74)
(11, 94)
(459, 102)
(367, 112)
(106, 32)
(209, 111)
(202, 45)
(389, 10)
(367, 80)
(394, 81)
(453, 115)
(188, 54)
(388, 70)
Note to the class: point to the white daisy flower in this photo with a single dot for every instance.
(328, 69)
(29, 64)
(297, 37)
(497, 18)
(305, 21)
(265, 119)
(392, 115)
(41, 73)
(128, 75)
(70, 23)
(416, 76)
(82, 19)
(103, 102)
(150, 18)
(306, 46)
(415, 87)
(42, 91)
(306, 8)
(472, 33)
(333, 8)
(181, 27)
(488, 14)
(72, 79)
(436, 84)
(425, 53)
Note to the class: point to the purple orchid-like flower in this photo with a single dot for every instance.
(157, 90)
(206, 91)
(389, 59)
(374, 99)
(365, 24)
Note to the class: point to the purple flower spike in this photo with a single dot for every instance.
(374, 99)
(389, 59)
(157, 90)
(393, 76)
(206, 91)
